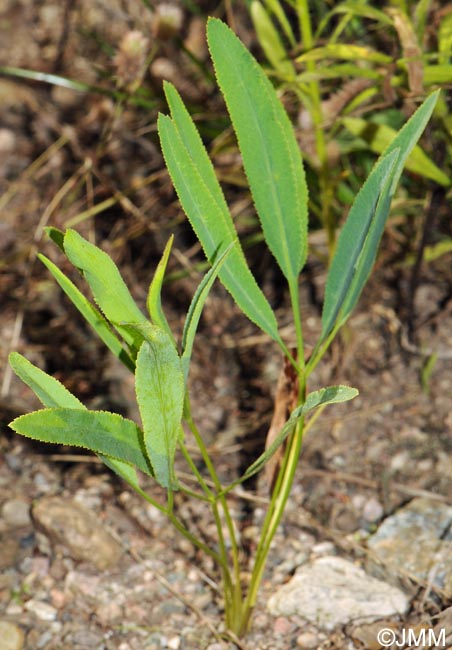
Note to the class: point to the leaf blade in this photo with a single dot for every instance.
(104, 279)
(93, 317)
(271, 156)
(354, 257)
(99, 431)
(160, 391)
(203, 203)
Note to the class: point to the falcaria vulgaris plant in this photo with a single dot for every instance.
(147, 346)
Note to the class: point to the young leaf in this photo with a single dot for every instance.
(270, 152)
(53, 394)
(47, 389)
(322, 397)
(160, 391)
(90, 313)
(154, 302)
(101, 432)
(196, 307)
(203, 202)
(109, 289)
(358, 242)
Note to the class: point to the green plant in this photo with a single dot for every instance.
(147, 346)
(351, 65)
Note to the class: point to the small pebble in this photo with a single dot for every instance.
(307, 640)
(174, 643)
(11, 635)
(16, 513)
(373, 510)
(282, 625)
(41, 610)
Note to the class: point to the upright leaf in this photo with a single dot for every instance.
(154, 302)
(99, 431)
(270, 41)
(358, 242)
(109, 289)
(270, 152)
(160, 391)
(203, 202)
(362, 218)
(196, 307)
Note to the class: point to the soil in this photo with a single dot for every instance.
(63, 154)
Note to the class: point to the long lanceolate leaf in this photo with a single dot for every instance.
(271, 155)
(349, 254)
(358, 242)
(53, 394)
(99, 431)
(203, 202)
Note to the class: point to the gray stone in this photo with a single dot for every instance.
(16, 513)
(414, 541)
(41, 610)
(12, 637)
(65, 522)
(331, 591)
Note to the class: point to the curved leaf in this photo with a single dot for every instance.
(109, 289)
(90, 313)
(270, 152)
(47, 389)
(52, 393)
(322, 397)
(100, 431)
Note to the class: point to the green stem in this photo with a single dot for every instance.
(295, 302)
(275, 512)
(234, 604)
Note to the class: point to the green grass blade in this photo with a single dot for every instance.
(203, 202)
(271, 43)
(109, 289)
(154, 301)
(196, 307)
(99, 431)
(47, 389)
(358, 242)
(90, 313)
(346, 52)
(270, 152)
(160, 391)
(274, 6)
